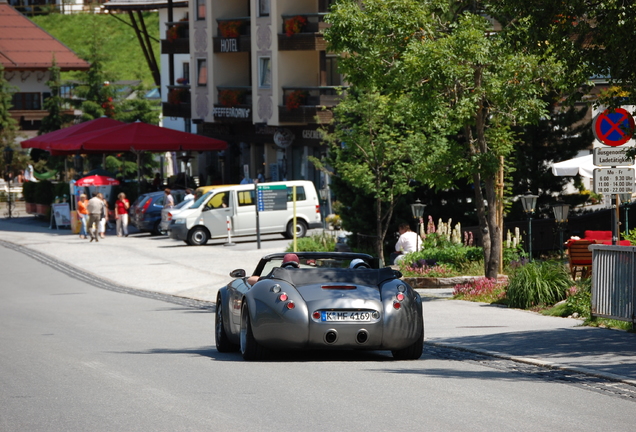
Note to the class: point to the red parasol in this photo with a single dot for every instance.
(97, 180)
(137, 137)
(44, 142)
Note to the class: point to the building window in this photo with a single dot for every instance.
(333, 77)
(202, 72)
(264, 72)
(186, 72)
(263, 8)
(200, 10)
(26, 101)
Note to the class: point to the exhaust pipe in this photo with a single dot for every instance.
(362, 336)
(331, 336)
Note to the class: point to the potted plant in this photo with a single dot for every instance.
(295, 99)
(28, 191)
(44, 197)
(294, 25)
(230, 29)
(230, 98)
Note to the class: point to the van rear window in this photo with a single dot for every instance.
(300, 194)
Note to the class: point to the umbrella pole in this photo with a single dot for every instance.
(138, 173)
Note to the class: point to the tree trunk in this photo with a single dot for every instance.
(379, 246)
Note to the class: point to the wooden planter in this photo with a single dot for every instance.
(30, 208)
(42, 209)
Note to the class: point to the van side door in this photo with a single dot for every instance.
(216, 211)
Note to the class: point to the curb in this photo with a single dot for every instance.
(539, 363)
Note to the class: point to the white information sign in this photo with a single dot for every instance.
(609, 181)
(612, 156)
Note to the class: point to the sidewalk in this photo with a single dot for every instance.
(160, 264)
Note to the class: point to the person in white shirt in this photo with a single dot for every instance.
(189, 195)
(408, 242)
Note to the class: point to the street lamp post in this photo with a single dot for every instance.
(561, 210)
(626, 198)
(417, 209)
(8, 159)
(529, 203)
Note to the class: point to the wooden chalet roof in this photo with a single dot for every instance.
(25, 46)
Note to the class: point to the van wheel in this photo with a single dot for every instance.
(197, 236)
(301, 229)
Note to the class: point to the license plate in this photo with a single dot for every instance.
(345, 316)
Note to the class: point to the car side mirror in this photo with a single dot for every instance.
(238, 273)
(398, 274)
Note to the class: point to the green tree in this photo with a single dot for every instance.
(464, 79)
(590, 37)
(8, 125)
(373, 149)
(139, 108)
(54, 104)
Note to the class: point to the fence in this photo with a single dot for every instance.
(614, 282)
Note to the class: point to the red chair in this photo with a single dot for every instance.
(580, 258)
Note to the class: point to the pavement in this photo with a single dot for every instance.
(161, 265)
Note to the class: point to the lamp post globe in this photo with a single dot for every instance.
(561, 210)
(417, 209)
(529, 202)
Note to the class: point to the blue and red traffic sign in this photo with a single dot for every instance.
(613, 128)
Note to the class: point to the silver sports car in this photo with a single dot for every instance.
(319, 300)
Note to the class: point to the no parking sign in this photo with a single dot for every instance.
(613, 128)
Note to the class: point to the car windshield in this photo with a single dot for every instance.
(184, 204)
(200, 200)
(309, 263)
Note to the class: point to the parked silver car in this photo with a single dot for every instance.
(168, 213)
(326, 300)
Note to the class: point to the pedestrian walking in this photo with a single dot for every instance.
(82, 214)
(168, 200)
(95, 208)
(104, 217)
(121, 214)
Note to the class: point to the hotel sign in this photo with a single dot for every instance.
(229, 45)
(232, 112)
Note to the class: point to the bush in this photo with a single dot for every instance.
(28, 191)
(44, 193)
(323, 242)
(439, 251)
(537, 284)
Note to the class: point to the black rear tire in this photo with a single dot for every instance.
(301, 229)
(198, 236)
(411, 352)
(250, 349)
(223, 343)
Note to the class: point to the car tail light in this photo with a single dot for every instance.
(318, 209)
(316, 315)
(283, 297)
(169, 216)
(397, 305)
(290, 305)
(146, 205)
(400, 296)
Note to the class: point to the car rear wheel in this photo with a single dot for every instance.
(223, 343)
(411, 352)
(301, 229)
(198, 236)
(250, 349)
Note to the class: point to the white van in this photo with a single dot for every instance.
(207, 218)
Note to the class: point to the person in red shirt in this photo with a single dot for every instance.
(121, 214)
(82, 213)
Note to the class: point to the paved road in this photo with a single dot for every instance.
(78, 358)
(162, 265)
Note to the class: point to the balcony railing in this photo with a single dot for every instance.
(302, 32)
(177, 39)
(308, 104)
(234, 103)
(178, 94)
(233, 35)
